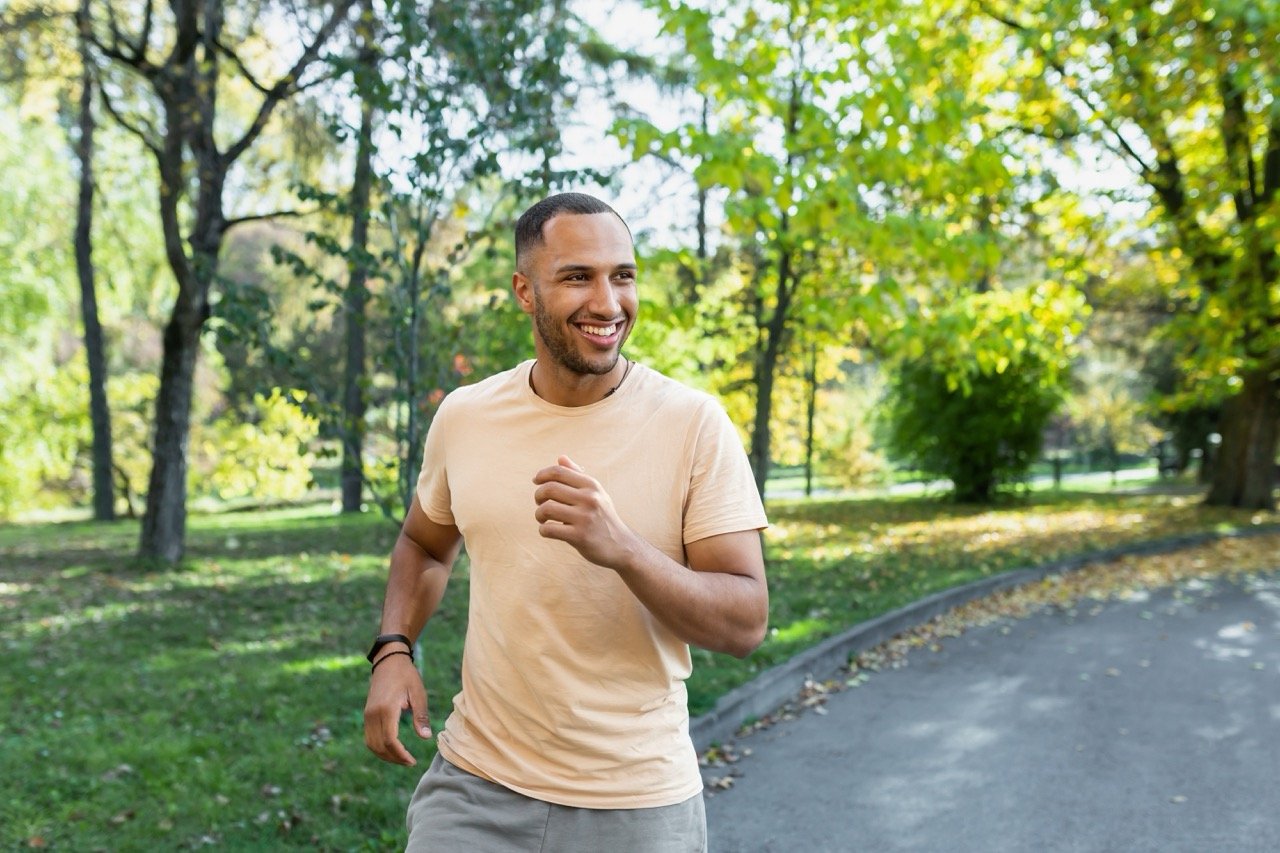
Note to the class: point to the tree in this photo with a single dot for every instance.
(852, 143)
(356, 295)
(1108, 410)
(1184, 93)
(979, 437)
(181, 124)
(95, 348)
(457, 110)
(971, 398)
(768, 133)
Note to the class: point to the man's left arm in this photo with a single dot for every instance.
(719, 601)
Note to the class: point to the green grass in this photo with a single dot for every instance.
(220, 702)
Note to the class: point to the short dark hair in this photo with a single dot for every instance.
(529, 225)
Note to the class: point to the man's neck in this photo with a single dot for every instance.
(563, 387)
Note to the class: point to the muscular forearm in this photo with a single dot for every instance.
(716, 610)
(415, 585)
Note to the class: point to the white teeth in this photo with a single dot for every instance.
(601, 331)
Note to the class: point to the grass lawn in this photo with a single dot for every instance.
(219, 703)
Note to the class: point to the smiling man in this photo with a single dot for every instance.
(611, 520)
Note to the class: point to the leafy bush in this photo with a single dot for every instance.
(267, 458)
(980, 436)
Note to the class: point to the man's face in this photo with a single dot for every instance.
(580, 288)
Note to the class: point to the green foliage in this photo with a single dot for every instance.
(977, 381)
(1184, 95)
(1109, 409)
(43, 428)
(981, 436)
(845, 446)
(269, 458)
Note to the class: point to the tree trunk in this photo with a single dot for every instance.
(760, 437)
(356, 298)
(164, 523)
(1244, 467)
(766, 370)
(811, 380)
(95, 349)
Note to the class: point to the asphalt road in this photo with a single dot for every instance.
(1150, 725)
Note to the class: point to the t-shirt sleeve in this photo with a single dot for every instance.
(722, 492)
(433, 480)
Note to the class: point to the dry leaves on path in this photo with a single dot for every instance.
(1225, 559)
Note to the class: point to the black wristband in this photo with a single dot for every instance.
(383, 639)
(389, 655)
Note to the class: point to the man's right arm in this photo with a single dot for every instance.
(420, 565)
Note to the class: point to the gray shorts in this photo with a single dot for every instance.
(453, 811)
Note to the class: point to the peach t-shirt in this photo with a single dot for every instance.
(572, 692)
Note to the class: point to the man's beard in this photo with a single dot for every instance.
(556, 338)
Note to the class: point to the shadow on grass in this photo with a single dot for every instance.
(32, 549)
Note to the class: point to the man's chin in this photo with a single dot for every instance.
(597, 365)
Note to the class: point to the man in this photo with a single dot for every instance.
(611, 520)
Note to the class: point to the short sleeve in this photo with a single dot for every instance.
(433, 480)
(722, 495)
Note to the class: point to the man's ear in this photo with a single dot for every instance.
(523, 289)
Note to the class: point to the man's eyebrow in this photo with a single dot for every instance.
(588, 268)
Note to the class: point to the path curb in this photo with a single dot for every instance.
(773, 687)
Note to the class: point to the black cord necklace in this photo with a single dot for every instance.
(620, 381)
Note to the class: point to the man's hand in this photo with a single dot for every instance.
(574, 508)
(395, 687)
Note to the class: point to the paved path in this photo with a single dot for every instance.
(1131, 726)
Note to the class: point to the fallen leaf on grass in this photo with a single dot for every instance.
(116, 772)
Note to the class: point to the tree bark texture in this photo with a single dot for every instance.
(164, 522)
(811, 381)
(1244, 466)
(767, 357)
(357, 294)
(95, 348)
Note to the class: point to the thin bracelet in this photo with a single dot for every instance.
(389, 655)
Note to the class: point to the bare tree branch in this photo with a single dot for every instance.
(142, 134)
(144, 39)
(1083, 96)
(239, 64)
(289, 82)
(275, 214)
(134, 58)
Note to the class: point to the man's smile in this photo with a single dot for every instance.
(602, 334)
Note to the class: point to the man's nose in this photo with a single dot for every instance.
(604, 299)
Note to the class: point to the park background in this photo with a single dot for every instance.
(982, 283)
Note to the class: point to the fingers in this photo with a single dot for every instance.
(560, 531)
(561, 493)
(391, 691)
(570, 464)
(555, 512)
(570, 475)
(418, 709)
